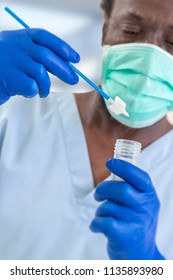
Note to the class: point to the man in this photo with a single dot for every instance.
(53, 150)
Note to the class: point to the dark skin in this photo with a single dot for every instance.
(146, 21)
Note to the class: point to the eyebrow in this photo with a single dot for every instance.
(135, 16)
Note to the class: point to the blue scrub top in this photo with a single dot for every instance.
(46, 183)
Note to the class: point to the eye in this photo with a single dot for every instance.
(169, 42)
(131, 29)
(130, 32)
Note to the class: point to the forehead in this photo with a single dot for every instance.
(155, 9)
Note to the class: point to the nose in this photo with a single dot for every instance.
(155, 38)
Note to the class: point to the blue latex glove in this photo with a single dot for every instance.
(26, 56)
(129, 215)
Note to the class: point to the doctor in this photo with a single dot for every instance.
(53, 150)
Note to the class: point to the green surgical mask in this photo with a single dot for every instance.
(142, 76)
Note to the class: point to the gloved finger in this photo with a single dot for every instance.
(114, 210)
(110, 227)
(38, 73)
(55, 44)
(131, 174)
(120, 192)
(3, 97)
(18, 84)
(54, 64)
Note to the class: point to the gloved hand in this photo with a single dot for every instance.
(26, 56)
(129, 215)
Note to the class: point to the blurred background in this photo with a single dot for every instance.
(78, 22)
